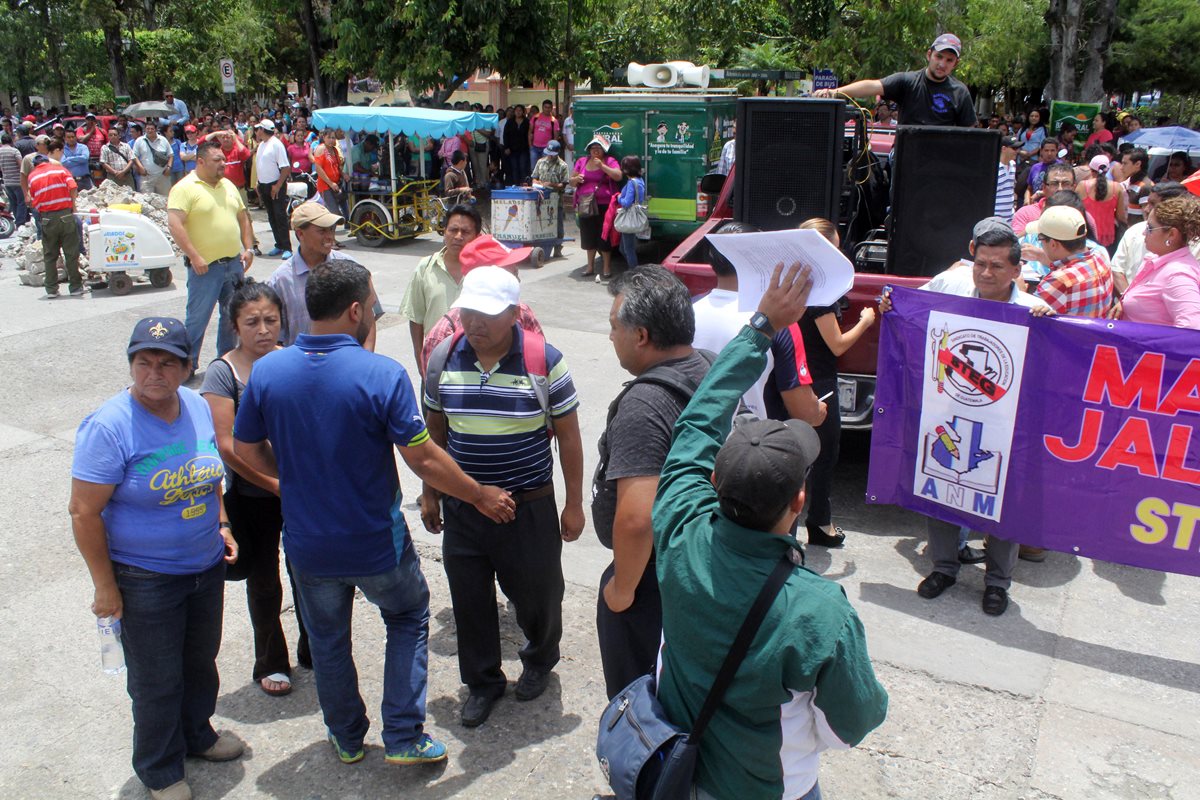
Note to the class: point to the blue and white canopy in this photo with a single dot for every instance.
(427, 123)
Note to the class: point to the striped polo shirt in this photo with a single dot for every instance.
(496, 430)
(50, 186)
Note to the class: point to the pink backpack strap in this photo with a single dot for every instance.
(534, 350)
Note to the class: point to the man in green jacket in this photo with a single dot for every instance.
(722, 520)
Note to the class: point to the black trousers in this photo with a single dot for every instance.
(820, 479)
(257, 522)
(629, 640)
(276, 214)
(525, 557)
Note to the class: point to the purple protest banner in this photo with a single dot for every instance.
(1059, 432)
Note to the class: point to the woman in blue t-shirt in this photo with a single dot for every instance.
(252, 501)
(148, 519)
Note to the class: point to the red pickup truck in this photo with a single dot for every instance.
(856, 367)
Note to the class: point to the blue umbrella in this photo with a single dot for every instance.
(1173, 137)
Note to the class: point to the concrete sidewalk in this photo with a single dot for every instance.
(1087, 689)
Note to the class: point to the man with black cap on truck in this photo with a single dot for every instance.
(722, 522)
(929, 96)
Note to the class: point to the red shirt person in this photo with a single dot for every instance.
(52, 193)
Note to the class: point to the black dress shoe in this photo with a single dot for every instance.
(531, 683)
(935, 584)
(995, 601)
(822, 539)
(477, 709)
(971, 555)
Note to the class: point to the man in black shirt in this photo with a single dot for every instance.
(652, 326)
(927, 96)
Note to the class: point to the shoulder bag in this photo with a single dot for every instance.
(643, 754)
(633, 218)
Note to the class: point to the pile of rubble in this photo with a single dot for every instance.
(24, 247)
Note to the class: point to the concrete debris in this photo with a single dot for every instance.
(24, 248)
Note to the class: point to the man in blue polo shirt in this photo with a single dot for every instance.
(485, 406)
(332, 412)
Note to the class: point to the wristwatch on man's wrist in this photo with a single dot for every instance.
(761, 324)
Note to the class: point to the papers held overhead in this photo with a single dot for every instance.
(754, 256)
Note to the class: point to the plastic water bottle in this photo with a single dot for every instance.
(112, 654)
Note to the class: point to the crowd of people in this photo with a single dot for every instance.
(717, 451)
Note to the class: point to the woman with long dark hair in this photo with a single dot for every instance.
(1104, 200)
(1032, 134)
(252, 500)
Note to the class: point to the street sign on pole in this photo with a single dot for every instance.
(227, 83)
(824, 79)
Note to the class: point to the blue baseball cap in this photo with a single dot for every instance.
(160, 333)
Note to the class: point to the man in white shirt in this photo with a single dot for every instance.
(992, 276)
(1131, 251)
(568, 128)
(274, 169)
(154, 153)
(718, 320)
(727, 154)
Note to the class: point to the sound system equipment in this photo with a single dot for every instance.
(789, 160)
(943, 182)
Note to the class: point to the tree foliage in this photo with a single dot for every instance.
(1155, 46)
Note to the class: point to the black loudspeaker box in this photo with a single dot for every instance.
(789, 160)
(943, 182)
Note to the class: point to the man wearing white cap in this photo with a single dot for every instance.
(501, 390)
(274, 169)
(929, 96)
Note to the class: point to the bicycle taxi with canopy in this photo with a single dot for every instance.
(392, 206)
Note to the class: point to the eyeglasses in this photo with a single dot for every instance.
(1151, 228)
(1043, 239)
(1060, 183)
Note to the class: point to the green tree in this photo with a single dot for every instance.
(1155, 46)
(435, 45)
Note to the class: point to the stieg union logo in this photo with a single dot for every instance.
(972, 366)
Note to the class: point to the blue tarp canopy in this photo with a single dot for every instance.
(1173, 137)
(415, 121)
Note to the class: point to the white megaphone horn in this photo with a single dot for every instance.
(690, 74)
(656, 76)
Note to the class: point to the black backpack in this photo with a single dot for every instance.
(669, 376)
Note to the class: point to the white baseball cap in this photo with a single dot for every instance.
(266, 125)
(488, 290)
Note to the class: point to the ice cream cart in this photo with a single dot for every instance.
(527, 216)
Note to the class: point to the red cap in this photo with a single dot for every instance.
(484, 251)
(189, 128)
(29, 118)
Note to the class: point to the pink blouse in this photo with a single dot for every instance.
(597, 180)
(1166, 291)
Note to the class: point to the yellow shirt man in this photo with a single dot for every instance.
(212, 215)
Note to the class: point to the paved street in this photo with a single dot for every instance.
(1088, 688)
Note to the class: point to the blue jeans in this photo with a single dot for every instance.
(16, 204)
(629, 249)
(403, 600)
(171, 629)
(204, 292)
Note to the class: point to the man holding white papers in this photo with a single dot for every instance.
(784, 390)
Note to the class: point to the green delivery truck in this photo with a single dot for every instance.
(677, 134)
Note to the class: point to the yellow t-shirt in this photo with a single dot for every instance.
(212, 215)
